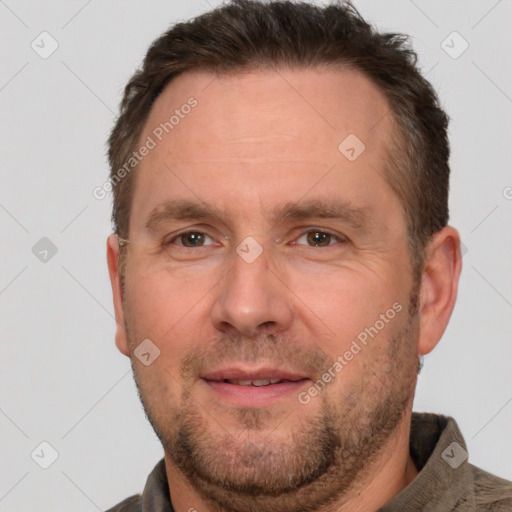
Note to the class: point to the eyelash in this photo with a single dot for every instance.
(172, 240)
(338, 237)
(177, 237)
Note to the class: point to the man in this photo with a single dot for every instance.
(281, 261)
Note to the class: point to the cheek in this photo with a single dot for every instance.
(170, 312)
(347, 305)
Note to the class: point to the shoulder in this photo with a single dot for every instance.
(131, 504)
(492, 493)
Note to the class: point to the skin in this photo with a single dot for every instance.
(255, 142)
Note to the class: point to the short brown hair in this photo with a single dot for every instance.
(247, 34)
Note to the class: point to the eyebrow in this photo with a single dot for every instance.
(357, 217)
(183, 209)
(179, 209)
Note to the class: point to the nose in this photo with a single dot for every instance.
(252, 299)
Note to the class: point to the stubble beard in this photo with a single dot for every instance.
(318, 464)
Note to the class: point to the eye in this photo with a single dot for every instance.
(191, 239)
(317, 238)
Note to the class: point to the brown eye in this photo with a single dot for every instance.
(192, 239)
(318, 238)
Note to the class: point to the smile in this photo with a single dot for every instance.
(250, 387)
(256, 382)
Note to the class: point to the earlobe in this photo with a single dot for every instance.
(115, 281)
(439, 285)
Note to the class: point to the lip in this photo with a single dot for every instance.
(254, 396)
(252, 374)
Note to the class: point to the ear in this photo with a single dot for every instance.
(443, 264)
(115, 281)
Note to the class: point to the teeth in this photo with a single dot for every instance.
(261, 382)
(242, 382)
(255, 382)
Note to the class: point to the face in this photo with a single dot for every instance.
(268, 264)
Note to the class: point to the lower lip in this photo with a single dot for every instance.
(255, 396)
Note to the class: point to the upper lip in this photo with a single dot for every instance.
(232, 372)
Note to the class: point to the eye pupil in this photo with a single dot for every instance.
(192, 239)
(318, 238)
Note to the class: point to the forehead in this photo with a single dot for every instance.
(265, 136)
(275, 107)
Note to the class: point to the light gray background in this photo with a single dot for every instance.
(62, 379)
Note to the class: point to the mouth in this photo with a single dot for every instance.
(246, 387)
(257, 382)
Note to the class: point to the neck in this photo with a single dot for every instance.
(388, 475)
(392, 472)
